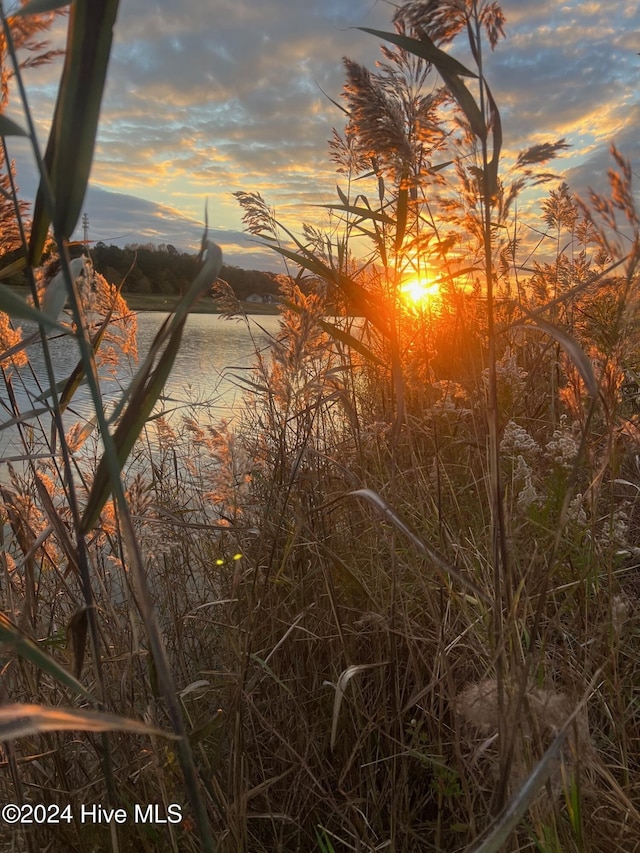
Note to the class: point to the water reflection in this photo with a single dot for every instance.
(212, 354)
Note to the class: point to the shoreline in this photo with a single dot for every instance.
(205, 305)
(168, 303)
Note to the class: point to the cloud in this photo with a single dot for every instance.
(205, 99)
(119, 218)
(566, 69)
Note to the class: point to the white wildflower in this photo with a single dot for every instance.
(576, 512)
(614, 532)
(562, 448)
(516, 441)
(510, 377)
(452, 397)
(620, 611)
(528, 495)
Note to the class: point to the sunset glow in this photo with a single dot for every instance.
(421, 291)
(196, 108)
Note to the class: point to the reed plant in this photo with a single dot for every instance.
(393, 606)
(75, 574)
(439, 565)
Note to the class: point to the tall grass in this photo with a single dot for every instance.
(441, 563)
(64, 171)
(395, 606)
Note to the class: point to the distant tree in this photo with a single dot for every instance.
(166, 270)
(112, 275)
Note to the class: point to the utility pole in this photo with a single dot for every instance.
(85, 228)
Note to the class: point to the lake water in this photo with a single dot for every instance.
(214, 352)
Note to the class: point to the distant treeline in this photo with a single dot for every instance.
(157, 269)
(164, 270)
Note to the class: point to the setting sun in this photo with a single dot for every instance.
(421, 290)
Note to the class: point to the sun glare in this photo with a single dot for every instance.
(421, 291)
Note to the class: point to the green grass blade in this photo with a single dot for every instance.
(10, 128)
(27, 648)
(18, 309)
(69, 153)
(324, 843)
(425, 49)
(36, 7)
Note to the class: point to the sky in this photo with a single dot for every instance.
(208, 97)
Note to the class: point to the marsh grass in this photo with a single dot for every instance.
(395, 607)
(493, 446)
(367, 698)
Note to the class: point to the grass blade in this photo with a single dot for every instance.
(425, 49)
(465, 101)
(361, 302)
(571, 347)
(363, 212)
(497, 834)
(27, 720)
(508, 820)
(435, 557)
(449, 69)
(13, 268)
(401, 213)
(134, 418)
(16, 307)
(69, 152)
(351, 341)
(36, 7)
(341, 686)
(147, 387)
(496, 126)
(10, 128)
(78, 374)
(27, 648)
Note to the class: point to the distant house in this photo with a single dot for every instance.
(255, 297)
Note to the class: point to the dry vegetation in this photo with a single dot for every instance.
(396, 608)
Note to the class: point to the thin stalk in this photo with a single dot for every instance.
(498, 537)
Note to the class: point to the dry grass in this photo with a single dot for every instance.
(339, 686)
(403, 593)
